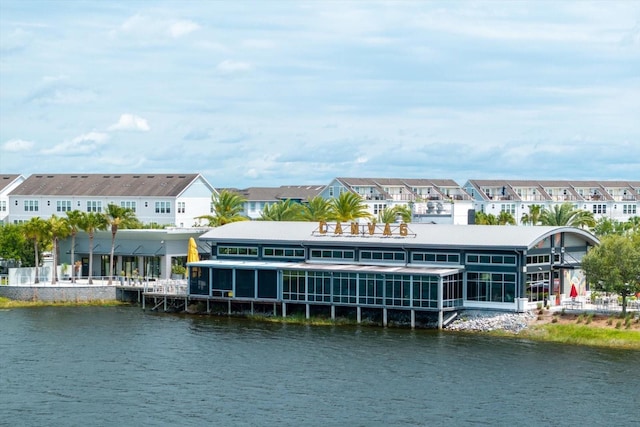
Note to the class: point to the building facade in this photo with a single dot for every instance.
(147, 254)
(406, 267)
(165, 199)
(7, 184)
(615, 200)
(437, 201)
(257, 198)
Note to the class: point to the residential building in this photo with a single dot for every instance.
(439, 201)
(616, 200)
(7, 184)
(165, 199)
(259, 197)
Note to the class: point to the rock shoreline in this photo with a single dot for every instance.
(491, 321)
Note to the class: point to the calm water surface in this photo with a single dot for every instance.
(123, 366)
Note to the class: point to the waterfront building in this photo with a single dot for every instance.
(165, 199)
(415, 268)
(7, 184)
(436, 201)
(615, 200)
(257, 198)
(147, 254)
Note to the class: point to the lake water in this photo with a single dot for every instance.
(126, 367)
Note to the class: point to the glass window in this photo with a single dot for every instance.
(163, 207)
(129, 204)
(94, 206)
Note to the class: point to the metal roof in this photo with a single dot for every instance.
(427, 235)
(348, 268)
(284, 192)
(109, 185)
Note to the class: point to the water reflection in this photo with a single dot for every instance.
(115, 366)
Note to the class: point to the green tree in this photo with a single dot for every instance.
(117, 217)
(14, 245)
(533, 217)
(90, 223)
(566, 215)
(35, 230)
(316, 209)
(506, 218)
(284, 210)
(483, 218)
(614, 266)
(605, 226)
(405, 213)
(387, 215)
(73, 219)
(58, 228)
(634, 224)
(348, 207)
(227, 207)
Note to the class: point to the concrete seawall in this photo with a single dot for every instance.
(51, 293)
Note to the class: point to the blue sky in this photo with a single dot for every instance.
(269, 93)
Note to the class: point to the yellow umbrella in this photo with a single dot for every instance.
(192, 251)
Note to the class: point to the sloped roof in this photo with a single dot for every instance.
(109, 185)
(427, 235)
(284, 192)
(7, 180)
(552, 183)
(409, 182)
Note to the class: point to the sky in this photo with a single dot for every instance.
(270, 93)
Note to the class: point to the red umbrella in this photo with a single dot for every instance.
(574, 291)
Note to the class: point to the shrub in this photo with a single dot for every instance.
(589, 318)
(618, 324)
(580, 318)
(610, 321)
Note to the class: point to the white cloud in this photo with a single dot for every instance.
(145, 27)
(16, 145)
(181, 28)
(86, 143)
(16, 40)
(130, 122)
(229, 66)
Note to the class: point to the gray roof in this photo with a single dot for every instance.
(7, 180)
(284, 192)
(409, 182)
(553, 183)
(426, 235)
(105, 185)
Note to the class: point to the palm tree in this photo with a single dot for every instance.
(348, 207)
(284, 210)
(566, 215)
(506, 218)
(90, 223)
(316, 209)
(227, 207)
(387, 215)
(73, 219)
(533, 217)
(57, 228)
(405, 213)
(486, 219)
(35, 230)
(116, 217)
